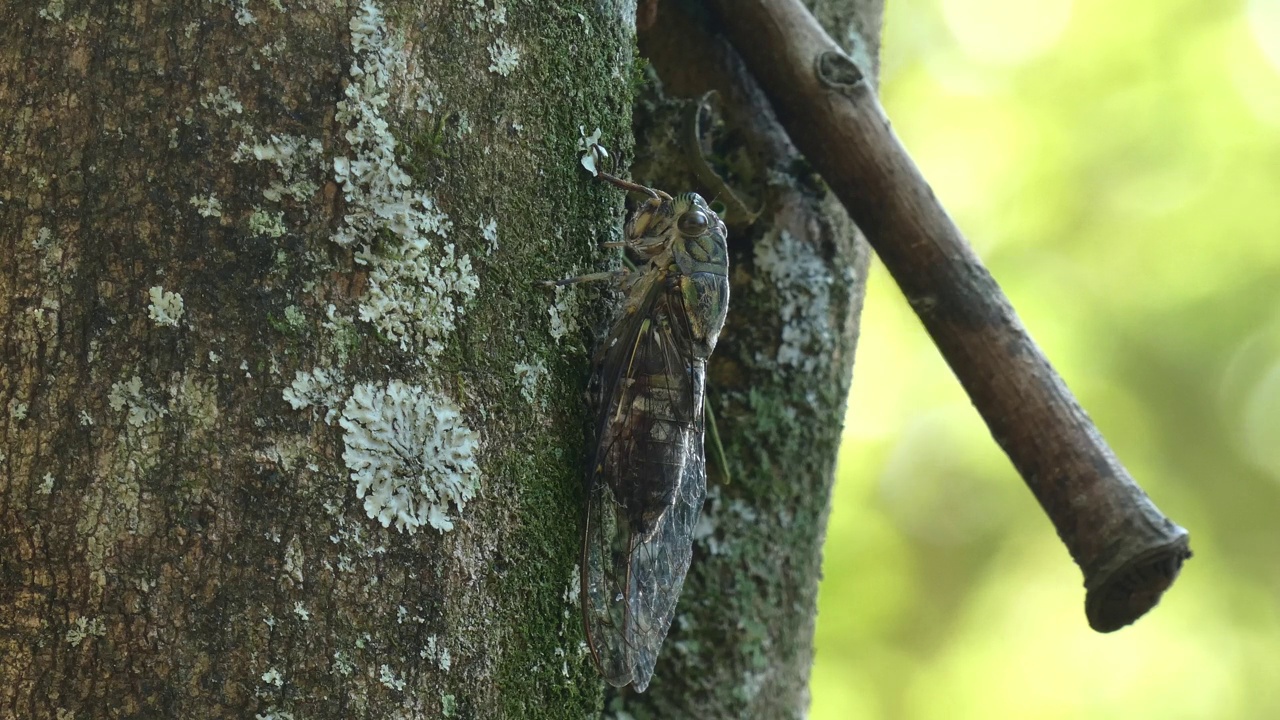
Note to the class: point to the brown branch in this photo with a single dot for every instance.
(1129, 552)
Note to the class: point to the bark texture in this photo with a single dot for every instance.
(254, 254)
(269, 304)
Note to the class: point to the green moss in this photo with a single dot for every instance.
(424, 148)
(523, 131)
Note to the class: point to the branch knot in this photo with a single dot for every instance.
(839, 72)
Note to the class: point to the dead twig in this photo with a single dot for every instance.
(1129, 551)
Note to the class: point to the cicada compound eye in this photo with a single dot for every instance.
(693, 223)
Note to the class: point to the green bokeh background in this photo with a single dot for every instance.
(1117, 164)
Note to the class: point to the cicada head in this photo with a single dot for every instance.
(684, 223)
(701, 245)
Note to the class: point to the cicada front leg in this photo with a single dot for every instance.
(610, 275)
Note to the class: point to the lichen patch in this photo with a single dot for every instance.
(803, 284)
(416, 295)
(530, 376)
(166, 307)
(504, 56)
(412, 457)
(562, 312)
(417, 286)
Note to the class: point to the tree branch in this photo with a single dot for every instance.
(1129, 552)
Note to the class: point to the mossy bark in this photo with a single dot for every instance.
(190, 294)
(177, 539)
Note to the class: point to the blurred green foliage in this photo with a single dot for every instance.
(1117, 164)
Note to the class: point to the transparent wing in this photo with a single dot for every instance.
(647, 483)
(659, 565)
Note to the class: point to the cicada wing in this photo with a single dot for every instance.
(646, 486)
(631, 585)
(659, 566)
(607, 587)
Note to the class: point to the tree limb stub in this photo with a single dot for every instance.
(1129, 551)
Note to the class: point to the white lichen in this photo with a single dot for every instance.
(436, 652)
(489, 231)
(166, 307)
(53, 10)
(43, 239)
(389, 679)
(262, 222)
(417, 287)
(295, 318)
(410, 455)
(17, 409)
(562, 311)
(223, 102)
(301, 611)
(83, 628)
(463, 125)
(208, 205)
(39, 324)
(803, 284)
(193, 397)
(342, 663)
(376, 187)
(574, 588)
(530, 375)
(294, 559)
(294, 157)
(428, 98)
(504, 56)
(129, 394)
(487, 18)
(46, 484)
(415, 296)
(273, 677)
(318, 388)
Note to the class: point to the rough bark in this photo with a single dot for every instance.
(234, 286)
(180, 533)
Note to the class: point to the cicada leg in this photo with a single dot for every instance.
(629, 186)
(717, 447)
(614, 275)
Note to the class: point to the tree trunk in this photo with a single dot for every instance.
(290, 430)
(742, 644)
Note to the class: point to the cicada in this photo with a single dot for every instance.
(647, 478)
